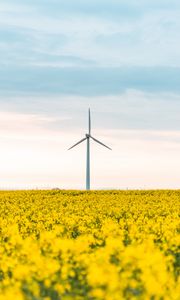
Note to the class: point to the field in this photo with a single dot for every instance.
(89, 245)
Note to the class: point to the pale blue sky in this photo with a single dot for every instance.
(122, 58)
(89, 47)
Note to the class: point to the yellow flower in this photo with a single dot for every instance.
(105, 245)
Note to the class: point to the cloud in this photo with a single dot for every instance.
(108, 33)
(28, 126)
(102, 7)
(87, 81)
(131, 109)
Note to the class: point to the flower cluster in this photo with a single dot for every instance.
(105, 245)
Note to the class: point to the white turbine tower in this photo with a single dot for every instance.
(87, 138)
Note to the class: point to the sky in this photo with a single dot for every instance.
(121, 58)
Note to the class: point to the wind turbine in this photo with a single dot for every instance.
(87, 138)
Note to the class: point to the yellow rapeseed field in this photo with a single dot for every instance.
(106, 245)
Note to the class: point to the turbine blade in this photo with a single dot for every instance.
(78, 143)
(89, 121)
(100, 143)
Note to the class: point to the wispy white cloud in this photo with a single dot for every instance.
(14, 7)
(107, 41)
(132, 109)
(24, 79)
(27, 126)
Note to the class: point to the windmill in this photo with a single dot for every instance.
(87, 138)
